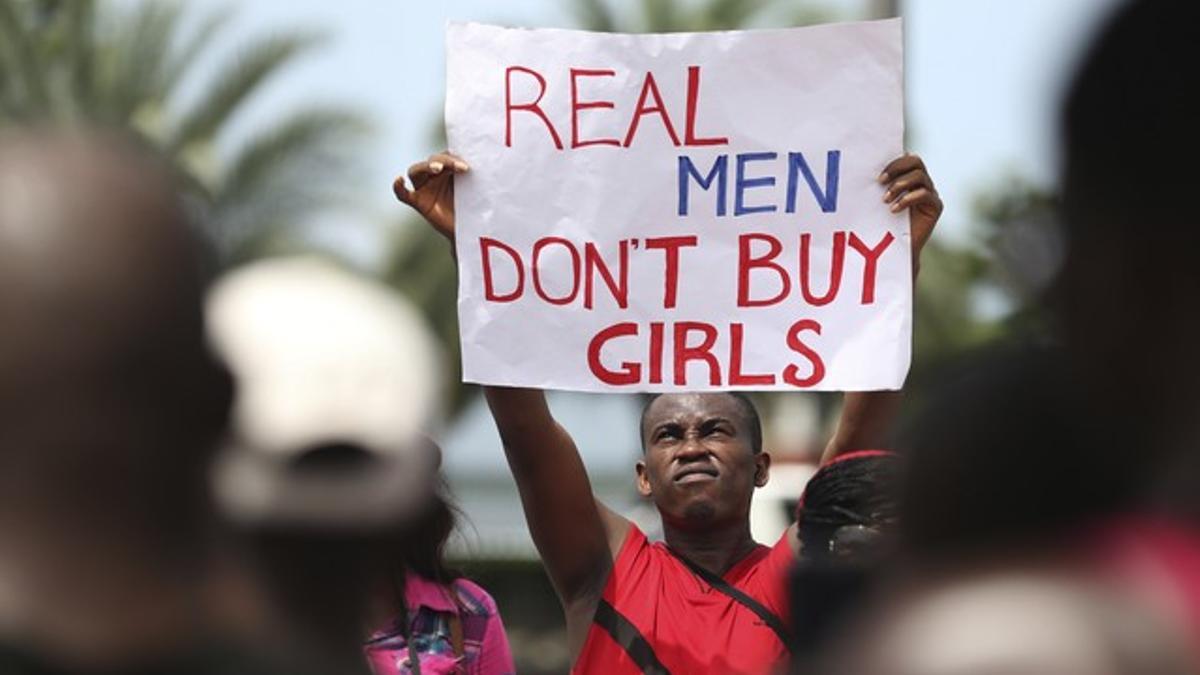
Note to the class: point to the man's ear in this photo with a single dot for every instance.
(762, 468)
(643, 480)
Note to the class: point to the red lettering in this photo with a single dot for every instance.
(486, 244)
(650, 88)
(537, 270)
(736, 377)
(870, 258)
(693, 100)
(671, 246)
(577, 105)
(656, 350)
(630, 372)
(701, 352)
(530, 107)
(791, 374)
(835, 269)
(593, 263)
(746, 263)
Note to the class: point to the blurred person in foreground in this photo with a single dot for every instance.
(1051, 510)
(110, 405)
(331, 480)
(709, 599)
(1133, 104)
(999, 568)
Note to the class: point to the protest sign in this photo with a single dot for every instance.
(687, 211)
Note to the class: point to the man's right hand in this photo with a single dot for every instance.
(432, 193)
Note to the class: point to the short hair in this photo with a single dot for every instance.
(745, 403)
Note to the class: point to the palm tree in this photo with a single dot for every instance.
(72, 62)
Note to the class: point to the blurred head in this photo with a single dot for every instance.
(1006, 620)
(1131, 144)
(109, 400)
(848, 508)
(327, 457)
(1005, 457)
(702, 458)
(337, 383)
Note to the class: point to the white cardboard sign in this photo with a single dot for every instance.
(690, 211)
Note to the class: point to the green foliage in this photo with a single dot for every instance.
(76, 62)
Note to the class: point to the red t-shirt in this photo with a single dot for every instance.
(691, 627)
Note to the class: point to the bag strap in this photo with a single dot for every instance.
(455, 622)
(625, 634)
(768, 617)
(456, 635)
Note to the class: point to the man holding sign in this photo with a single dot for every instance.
(549, 298)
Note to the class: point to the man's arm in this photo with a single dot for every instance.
(575, 536)
(864, 423)
(867, 416)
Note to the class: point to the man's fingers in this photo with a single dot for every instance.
(901, 165)
(449, 160)
(907, 182)
(421, 172)
(915, 197)
(401, 190)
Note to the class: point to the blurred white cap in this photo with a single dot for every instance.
(325, 362)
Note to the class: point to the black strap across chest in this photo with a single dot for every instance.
(768, 617)
(625, 634)
(635, 645)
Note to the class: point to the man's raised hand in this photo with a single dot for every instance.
(910, 187)
(432, 192)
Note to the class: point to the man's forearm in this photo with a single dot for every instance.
(522, 417)
(563, 518)
(865, 422)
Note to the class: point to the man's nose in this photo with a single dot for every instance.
(691, 450)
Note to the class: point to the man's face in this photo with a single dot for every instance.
(699, 464)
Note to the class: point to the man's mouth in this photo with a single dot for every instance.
(695, 474)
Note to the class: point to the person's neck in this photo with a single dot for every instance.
(92, 600)
(714, 548)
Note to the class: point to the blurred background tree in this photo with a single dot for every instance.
(83, 61)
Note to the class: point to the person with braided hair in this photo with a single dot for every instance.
(848, 508)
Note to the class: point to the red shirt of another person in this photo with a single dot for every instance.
(691, 627)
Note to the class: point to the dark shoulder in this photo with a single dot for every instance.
(209, 658)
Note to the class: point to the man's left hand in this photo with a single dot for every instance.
(908, 186)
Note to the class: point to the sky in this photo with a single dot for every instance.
(982, 76)
(983, 79)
